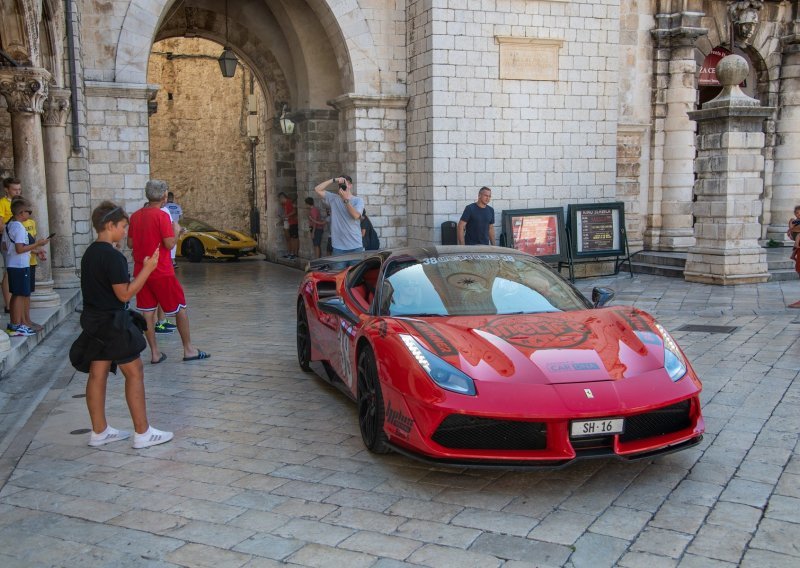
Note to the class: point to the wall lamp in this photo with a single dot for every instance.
(287, 126)
(227, 61)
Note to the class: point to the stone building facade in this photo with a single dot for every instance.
(548, 102)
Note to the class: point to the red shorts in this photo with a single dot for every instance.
(164, 291)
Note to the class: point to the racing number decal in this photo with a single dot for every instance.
(345, 332)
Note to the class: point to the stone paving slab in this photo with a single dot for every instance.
(267, 467)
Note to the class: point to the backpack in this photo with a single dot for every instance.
(370, 240)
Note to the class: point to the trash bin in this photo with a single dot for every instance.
(449, 236)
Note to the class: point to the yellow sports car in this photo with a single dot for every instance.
(199, 240)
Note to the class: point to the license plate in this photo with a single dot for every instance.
(249, 249)
(580, 428)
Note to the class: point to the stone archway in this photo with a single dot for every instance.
(145, 19)
(299, 57)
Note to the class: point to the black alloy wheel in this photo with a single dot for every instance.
(303, 339)
(192, 249)
(370, 404)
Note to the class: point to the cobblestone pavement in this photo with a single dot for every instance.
(267, 467)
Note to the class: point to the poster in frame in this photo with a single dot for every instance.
(597, 229)
(538, 232)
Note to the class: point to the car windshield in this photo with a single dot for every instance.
(475, 284)
(195, 225)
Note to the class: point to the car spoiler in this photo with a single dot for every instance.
(335, 263)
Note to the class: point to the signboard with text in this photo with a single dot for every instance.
(597, 229)
(539, 232)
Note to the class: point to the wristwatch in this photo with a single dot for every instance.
(346, 201)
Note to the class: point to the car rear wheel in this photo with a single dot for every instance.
(370, 404)
(192, 249)
(303, 339)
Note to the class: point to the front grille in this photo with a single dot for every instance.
(657, 422)
(592, 443)
(229, 250)
(462, 432)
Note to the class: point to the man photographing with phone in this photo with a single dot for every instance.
(346, 210)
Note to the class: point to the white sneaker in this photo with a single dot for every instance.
(152, 437)
(110, 435)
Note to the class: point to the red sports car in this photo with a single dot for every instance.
(485, 356)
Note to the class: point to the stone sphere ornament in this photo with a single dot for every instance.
(732, 70)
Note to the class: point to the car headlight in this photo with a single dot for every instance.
(674, 363)
(441, 372)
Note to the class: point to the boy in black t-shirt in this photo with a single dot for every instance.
(110, 336)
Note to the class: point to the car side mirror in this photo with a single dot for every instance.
(602, 296)
(336, 306)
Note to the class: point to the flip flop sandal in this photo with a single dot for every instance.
(200, 355)
(160, 359)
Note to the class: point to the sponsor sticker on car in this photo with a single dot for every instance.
(581, 428)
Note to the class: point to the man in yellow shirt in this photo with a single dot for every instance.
(13, 188)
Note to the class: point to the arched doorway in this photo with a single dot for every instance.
(206, 134)
(217, 140)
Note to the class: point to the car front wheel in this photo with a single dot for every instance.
(370, 404)
(192, 249)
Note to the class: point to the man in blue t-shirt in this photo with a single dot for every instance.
(476, 226)
(346, 210)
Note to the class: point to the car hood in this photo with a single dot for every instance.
(549, 348)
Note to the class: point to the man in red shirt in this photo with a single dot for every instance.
(290, 218)
(150, 229)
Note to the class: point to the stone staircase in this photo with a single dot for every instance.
(671, 264)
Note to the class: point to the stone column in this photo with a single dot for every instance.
(315, 157)
(673, 167)
(729, 184)
(54, 120)
(787, 149)
(25, 90)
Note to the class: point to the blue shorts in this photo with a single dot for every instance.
(19, 281)
(316, 237)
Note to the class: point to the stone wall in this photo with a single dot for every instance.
(199, 141)
(372, 141)
(78, 161)
(101, 22)
(537, 142)
(117, 142)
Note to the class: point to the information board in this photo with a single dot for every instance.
(539, 232)
(597, 229)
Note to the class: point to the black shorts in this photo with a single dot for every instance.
(19, 281)
(293, 233)
(316, 238)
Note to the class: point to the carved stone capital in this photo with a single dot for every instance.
(677, 37)
(56, 108)
(25, 89)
